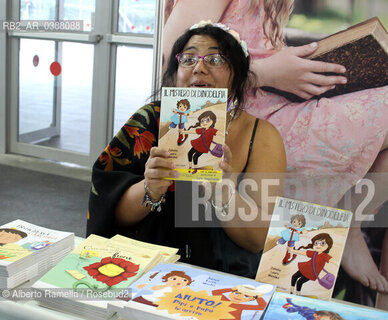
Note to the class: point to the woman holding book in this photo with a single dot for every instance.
(130, 196)
(331, 142)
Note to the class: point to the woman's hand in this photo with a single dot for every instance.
(226, 163)
(158, 166)
(289, 71)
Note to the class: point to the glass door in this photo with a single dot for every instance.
(39, 97)
(71, 90)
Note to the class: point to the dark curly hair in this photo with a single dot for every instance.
(228, 47)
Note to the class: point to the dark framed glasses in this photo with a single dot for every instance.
(212, 60)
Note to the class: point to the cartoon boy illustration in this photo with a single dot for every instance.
(291, 234)
(244, 293)
(309, 313)
(173, 280)
(11, 236)
(180, 118)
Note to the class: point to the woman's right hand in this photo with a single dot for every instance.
(290, 71)
(158, 166)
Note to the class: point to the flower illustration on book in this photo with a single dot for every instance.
(112, 271)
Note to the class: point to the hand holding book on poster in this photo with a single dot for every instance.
(362, 49)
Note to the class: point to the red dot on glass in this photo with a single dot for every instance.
(148, 28)
(55, 68)
(35, 60)
(133, 27)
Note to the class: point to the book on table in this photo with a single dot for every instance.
(362, 49)
(168, 254)
(176, 291)
(28, 251)
(95, 272)
(192, 129)
(289, 306)
(303, 248)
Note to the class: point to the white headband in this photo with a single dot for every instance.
(222, 26)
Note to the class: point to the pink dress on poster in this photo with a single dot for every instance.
(332, 142)
(335, 138)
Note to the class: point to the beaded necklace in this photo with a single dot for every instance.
(234, 113)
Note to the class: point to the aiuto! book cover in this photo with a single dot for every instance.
(185, 292)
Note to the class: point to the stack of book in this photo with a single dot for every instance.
(28, 251)
(176, 291)
(96, 272)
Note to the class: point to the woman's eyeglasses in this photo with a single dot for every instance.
(189, 60)
(205, 120)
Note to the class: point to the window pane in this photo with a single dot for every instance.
(36, 85)
(133, 82)
(72, 10)
(45, 98)
(77, 80)
(37, 9)
(136, 16)
(80, 10)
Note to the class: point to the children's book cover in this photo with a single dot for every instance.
(183, 292)
(19, 239)
(141, 251)
(192, 129)
(303, 249)
(289, 306)
(96, 264)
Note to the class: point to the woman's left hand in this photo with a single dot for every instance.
(226, 163)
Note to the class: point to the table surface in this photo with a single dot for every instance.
(31, 310)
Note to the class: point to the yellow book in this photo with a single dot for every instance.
(169, 254)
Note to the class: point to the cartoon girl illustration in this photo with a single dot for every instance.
(201, 145)
(180, 118)
(321, 245)
(173, 280)
(291, 235)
